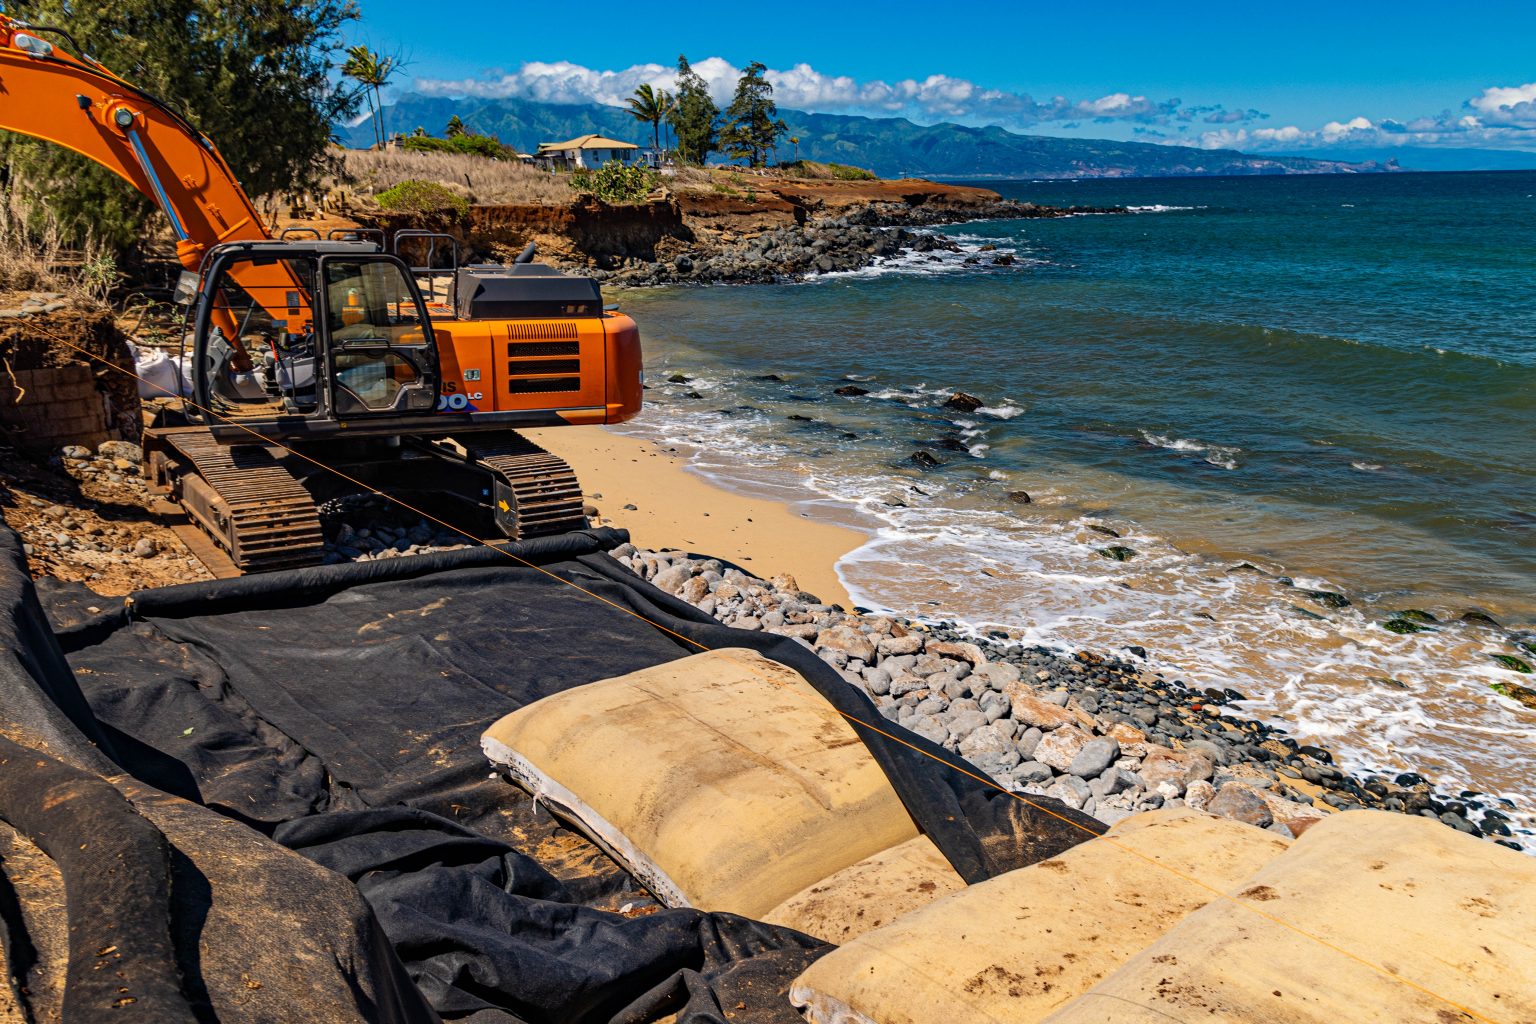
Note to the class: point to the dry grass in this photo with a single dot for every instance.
(33, 259)
(368, 172)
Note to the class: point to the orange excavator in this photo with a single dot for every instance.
(309, 353)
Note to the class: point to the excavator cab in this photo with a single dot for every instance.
(300, 338)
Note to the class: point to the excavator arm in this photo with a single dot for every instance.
(50, 94)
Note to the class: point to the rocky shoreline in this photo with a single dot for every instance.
(1097, 732)
(743, 229)
(852, 239)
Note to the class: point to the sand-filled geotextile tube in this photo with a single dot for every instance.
(288, 735)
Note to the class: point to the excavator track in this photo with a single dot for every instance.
(536, 493)
(244, 497)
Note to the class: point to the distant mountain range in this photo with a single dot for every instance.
(890, 146)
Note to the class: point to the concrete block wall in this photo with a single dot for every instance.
(53, 406)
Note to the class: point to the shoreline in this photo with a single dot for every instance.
(1098, 732)
(640, 487)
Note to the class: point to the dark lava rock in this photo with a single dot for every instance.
(852, 390)
(1106, 531)
(962, 402)
(798, 418)
(1479, 618)
(1328, 599)
(1118, 552)
(1020, 497)
(771, 377)
(1402, 626)
(1512, 663)
(1524, 694)
(925, 460)
(1247, 567)
(1318, 754)
(1003, 260)
(1415, 615)
(678, 378)
(692, 394)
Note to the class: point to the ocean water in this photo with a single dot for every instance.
(1265, 386)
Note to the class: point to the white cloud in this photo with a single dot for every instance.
(802, 87)
(1500, 117)
(1508, 105)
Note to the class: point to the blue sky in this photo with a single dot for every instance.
(1292, 77)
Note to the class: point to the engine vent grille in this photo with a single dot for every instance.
(548, 348)
(541, 331)
(543, 386)
(521, 366)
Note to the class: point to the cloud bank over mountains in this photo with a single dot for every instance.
(1500, 117)
(802, 87)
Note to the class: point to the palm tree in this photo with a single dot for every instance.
(651, 105)
(794, 140)
(455, 127)
(372, 70)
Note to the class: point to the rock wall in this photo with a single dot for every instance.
(51, 394)
(53, 405)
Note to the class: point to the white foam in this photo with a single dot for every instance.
(1046, 582)
(1224, 456)
(1000, 412)
(1160, 208)
(1366, 467)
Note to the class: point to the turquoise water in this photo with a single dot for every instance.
(1331, 378)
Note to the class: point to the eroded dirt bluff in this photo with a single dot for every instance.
(705, 233)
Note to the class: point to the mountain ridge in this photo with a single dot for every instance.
(892, 147)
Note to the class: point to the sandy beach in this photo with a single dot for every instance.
(674, 508)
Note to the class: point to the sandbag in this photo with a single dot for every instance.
(1016, 947)
(870, 894)
(159, 375)
(723, 781)
(1439, 910)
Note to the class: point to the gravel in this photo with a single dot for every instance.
(1098, 732)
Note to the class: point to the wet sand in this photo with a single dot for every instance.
(676, 508)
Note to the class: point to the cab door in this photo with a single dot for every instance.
(379, 345)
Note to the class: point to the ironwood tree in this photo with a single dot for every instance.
(694, 115)
(255, 77)
(752, 124)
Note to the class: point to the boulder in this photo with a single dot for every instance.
(962, 402)
(958, 651)
(848, 640)
(1060, 747)
(1237, 801)
(896, 646)
(1032, 710)
(997, 675)
(672, 578)
(1095, 756)
(1177, 767)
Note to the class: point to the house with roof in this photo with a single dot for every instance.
(588, 151)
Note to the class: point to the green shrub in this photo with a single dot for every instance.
(815, 169)
(417, 196)
(846, 172)
(616, 182)
(475, 145)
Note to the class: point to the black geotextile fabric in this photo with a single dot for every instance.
(339, 710)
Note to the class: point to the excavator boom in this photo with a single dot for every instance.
(51, 94)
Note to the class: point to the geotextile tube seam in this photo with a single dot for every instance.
(970, 858)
